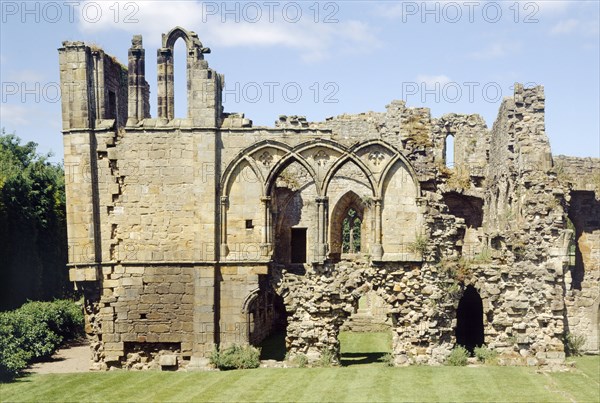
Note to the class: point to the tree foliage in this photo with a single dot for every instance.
(33, 238)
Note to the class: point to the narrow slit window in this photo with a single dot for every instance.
(449, 151)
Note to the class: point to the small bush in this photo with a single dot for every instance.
(301, 360)
(387, 359)
(458, 357)
(327, 358)
(34, 331)
(574, 344)
(236, 357)
(485, 355)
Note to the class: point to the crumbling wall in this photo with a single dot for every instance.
(181, 228)
(583, 279)
(525, 226)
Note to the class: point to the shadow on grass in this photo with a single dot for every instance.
(348, 359)
(21, 378)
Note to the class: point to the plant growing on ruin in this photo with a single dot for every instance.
(485, 256)
(327, 358)
(367, 201)
(457, 269)
(300, 360)
(419, 245)
(459, 178)
(486, 355)
(387, 359)
(574, 344)
(289, 180)
(458, 357)
(561, 173)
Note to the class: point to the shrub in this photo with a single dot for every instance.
(34, 331)
(13, 357)
(236, 357)
(574, 344)
(485, 355)
(387, 359)
(327, 358)
(458, 357)
(301, 360)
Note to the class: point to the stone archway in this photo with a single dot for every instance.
(266, 318)
(323, 298)
(469, 320)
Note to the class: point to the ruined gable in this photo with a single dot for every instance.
(188, 233)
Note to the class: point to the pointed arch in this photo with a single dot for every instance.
(232, 175)
(350, 200)
(244, 155)
(389, 168)
(283, 163)
(165, 73)
(350, 158)
(190, 38)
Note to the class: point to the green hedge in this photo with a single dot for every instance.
(34, 331)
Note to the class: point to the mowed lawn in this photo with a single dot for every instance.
(360, 378)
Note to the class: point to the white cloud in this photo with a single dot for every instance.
(565, 26)
(575, 26)
(495, 51)
(431, 81)
(216, 28)
(12, 115)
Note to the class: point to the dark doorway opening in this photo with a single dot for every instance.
(267, 323)
(298, 245)
(469, 320)
(273, 346)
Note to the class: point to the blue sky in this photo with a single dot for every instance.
(322, 59)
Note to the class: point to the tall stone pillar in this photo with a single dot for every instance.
(266, 245)
(166, 100)
(224, 249)
(138, 95)
(377, 248)
(322, 214)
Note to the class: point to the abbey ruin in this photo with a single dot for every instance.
(192, 233)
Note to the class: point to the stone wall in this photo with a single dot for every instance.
(187, 233)
(582, 178)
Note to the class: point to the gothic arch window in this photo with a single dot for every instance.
(349, 227)
(351, 232)
(180, 78)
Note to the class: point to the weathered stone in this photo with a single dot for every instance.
(183, 227)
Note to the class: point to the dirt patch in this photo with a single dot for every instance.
(72, 357)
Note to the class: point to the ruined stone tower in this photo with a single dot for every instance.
(188, 233)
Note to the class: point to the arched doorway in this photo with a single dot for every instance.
(267, 324)
(469, 320)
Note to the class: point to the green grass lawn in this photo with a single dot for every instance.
(368, 382)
